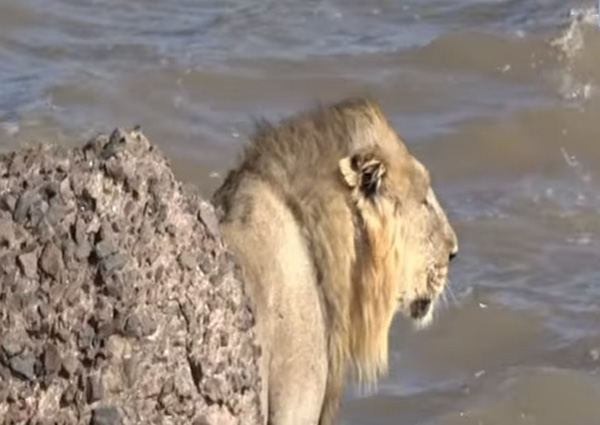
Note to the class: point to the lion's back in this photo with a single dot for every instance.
(280, 278)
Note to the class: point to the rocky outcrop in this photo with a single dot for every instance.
(119, 303)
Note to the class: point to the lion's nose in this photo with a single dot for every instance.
(419, 308)
(453, 250)
(453, 254)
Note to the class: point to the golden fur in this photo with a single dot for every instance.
(336, 228)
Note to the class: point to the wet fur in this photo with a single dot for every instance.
(331, 201)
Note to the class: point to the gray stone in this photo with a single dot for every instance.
(70, 365)
(95, 389)
(7, 233)
(12, 343)
(28, 264)
(105, 248)
(51, 360)
(24, 204)
(106, 416)
(8, 202)
(51, 260)
(209, 218)
(23, 366)
(113, 262)
(187, 260)
(83, 250)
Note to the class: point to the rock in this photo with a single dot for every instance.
(83, 250)
(116, 293)
(105, 248)
(139, 326)
(202, 420)
(187, 260)
(56, 211)
(106, 416)
(28, 264)
(133, 326)
(12, 343)
(209, 218)
(51, 360)
(70, 365)
(130, 370)
(95, 389)
(8, 202)
(113, 262)
(68, 396)
(7, 233)
(23, 366)
(45, 230)
(51, 260)
(24, 204)
(206, 264)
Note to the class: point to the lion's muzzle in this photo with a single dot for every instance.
(419, 308)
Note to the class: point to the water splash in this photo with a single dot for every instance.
(571, 45)
(583, 176)
(571, 41)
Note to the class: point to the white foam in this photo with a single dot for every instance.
(570, 45)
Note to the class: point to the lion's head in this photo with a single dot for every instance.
(407, 241)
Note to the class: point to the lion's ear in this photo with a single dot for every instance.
(349, 174)
(363, 171)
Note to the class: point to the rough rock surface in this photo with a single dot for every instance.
(119, 303)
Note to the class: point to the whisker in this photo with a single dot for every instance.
(451, 292)
(444, 298)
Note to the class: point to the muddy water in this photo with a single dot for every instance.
(499, 98)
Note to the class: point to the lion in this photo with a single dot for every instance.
(336, 228)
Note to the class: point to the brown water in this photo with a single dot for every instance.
(499, 98)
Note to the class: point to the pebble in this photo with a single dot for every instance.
(83, 250)
(28, 264)
(37, 210)
(45, 230)
(105, 248)
(7, 233)
(130, 370)
(51, 360)
(187, 260)
(51, 260)
(7, 265)
(201, 420)
(68, 395)
(208, 217)
(95, 389)
(12, 343)
(56, 211)
(24, 204)
(133, 326)
(105, 416)
(113, 262)
(4, 374)
(70, 365)
(23, 366)
(139, 326)
(8, 202)
(44, 310)
(206, 264)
